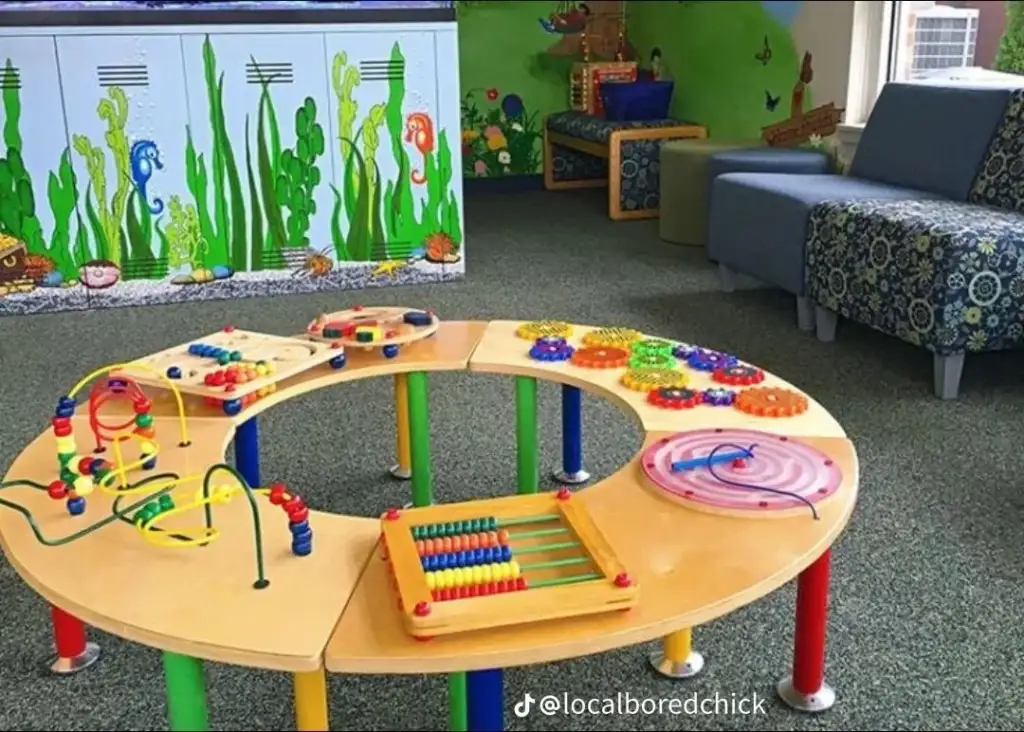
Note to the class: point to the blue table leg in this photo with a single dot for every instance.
(247, 451)
(485, 700)
(572, 472)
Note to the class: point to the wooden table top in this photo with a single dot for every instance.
(334, 608)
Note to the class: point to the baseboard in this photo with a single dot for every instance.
(502, 184)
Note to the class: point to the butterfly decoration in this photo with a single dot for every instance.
(770, 102)
(765, 54)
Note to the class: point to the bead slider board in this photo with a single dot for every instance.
(498, 562)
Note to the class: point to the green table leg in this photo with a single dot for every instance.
(457, 712)
(186, 693)
(419, 438)
(527, 458)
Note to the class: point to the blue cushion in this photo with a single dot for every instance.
(767, 160)
(758, 221)
(1000, 182)
(931, 138)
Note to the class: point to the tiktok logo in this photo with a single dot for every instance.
(522, 709)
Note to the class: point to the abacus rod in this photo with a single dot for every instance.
(551, 564)
(520, 520)
(547, 547)
(536, 533)
(554, 581)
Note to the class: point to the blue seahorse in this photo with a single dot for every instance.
(145, 158)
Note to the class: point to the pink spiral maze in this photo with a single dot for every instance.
(779, 464)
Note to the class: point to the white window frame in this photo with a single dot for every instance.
(869, 66)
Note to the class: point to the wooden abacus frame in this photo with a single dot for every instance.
(614, 590)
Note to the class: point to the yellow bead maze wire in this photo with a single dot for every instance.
(106, 370)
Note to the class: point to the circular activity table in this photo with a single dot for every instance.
(692, 561)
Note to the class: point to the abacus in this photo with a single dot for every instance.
(499, 562)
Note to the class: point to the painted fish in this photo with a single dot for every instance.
(145, 160)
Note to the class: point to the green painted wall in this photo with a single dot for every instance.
(715, 52)
(503, 51)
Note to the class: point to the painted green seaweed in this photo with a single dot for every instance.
(299, 175)
(62, 192)
(111, 239)
(17, 199)
(185, 243)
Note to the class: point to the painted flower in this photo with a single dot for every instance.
(512, 106)
(504, 158)
(497, 142)
(493, 131)
(492, 94)
(516, 127)
(480, 167)
(469, 135)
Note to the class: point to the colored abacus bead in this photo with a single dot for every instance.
(76, 506)
(277, 492)
(622, 580)
(173, 372)
(85, 465)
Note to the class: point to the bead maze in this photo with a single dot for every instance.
(152, 507)
(505, 561)
(385, 328)
(233, 368)
(742, 473)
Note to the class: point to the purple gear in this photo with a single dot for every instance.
(551, 348)
(717, 396)
(705, 360)
(683, 351)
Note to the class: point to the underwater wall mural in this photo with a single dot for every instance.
(170, 168)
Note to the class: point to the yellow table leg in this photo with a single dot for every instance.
(403, 452)
(311, 701)
(677, 659)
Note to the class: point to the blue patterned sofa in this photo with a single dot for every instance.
(946, 275)
(933, 196)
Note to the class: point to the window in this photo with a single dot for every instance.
(949, 42)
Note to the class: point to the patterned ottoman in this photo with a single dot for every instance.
(582, 151)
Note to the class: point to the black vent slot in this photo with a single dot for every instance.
(269, 72)
(151, 268)
(10, 77)
(128, 75)
(382, 70)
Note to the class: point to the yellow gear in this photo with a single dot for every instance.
(612, 337)
(544, 329)
(649, 379)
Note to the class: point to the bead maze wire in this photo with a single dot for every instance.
(81, 475)
(711, 462)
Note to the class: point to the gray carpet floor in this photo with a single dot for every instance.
(927, 579)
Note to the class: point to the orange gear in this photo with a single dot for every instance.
(596, 357)
(544, 328)
(612, 337)
(770, 401)
(648, 379)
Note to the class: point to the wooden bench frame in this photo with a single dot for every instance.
(612, 151)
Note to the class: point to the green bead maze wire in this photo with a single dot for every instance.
(490, 523)
(122, 513)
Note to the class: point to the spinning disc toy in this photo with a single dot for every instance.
(744, 473)
(682, 351)
(767, 401)
(648, 379)
(719, 397)
(651, 347)
(369, 328)
(542, 328)
(612, 337)
(738, 375)
(597, 357)
(675, 398)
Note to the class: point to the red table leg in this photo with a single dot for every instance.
(806, 690)
(74, 652)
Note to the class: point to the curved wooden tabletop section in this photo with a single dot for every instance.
(328, 609)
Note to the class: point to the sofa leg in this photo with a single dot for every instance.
(948, 370)
(804, 312)
(825, 322)
(728, 278)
